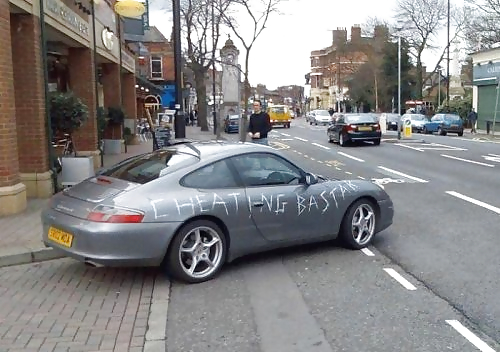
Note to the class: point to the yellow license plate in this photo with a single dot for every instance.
(364, 128)
(58, 236)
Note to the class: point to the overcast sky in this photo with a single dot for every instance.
(281, 55)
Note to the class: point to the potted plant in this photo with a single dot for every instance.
(127, 134)
(67, 114)
(115, 118)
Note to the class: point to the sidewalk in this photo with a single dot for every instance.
(20, 235)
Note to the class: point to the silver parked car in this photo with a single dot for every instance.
(193, 206)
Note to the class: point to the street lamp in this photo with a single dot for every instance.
(439, 85)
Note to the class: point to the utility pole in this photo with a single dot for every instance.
(179, 121)
(214, 113)
(448, 61)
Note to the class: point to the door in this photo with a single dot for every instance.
(281, 205)
(337, 127)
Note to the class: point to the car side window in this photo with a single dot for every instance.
(213, 176)
(264, 169)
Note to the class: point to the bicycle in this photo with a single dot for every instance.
(68, 150)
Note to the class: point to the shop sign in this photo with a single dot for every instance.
(128, 61)
(68, 16)
(486, 71)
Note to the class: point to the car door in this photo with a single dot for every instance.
(337, 127)
(281, 205)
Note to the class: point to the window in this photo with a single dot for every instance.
(148, 167)
(264, 169)
(437, 118)
(156, 67)
(362, 118)
(213, 176)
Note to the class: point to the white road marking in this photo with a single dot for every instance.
(409, 147)
(351, 157)
(368, 252)
(361, 177)
(301, 139)
(319, 161)
(495, 155)
(402, 174)
(321, 146)
(287, 139)
(349, 173)
(474, 201)
(299, 152)
(492, 157)
(338, 168)
(285, 134)
(470, 336)
(313, 159)
(306, 156)
(396, 276)
(467, 160)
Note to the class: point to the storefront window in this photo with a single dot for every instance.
(58, 72)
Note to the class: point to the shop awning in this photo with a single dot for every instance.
(153, 88)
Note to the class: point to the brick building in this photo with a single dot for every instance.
(333, 66)
(71, 66)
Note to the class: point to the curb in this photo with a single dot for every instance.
(395, 140)
(156, 333)
(29, 256)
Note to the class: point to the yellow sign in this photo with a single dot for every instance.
(407, 128)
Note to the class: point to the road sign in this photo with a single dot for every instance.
(407, 128)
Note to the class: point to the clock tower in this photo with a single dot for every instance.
(231, 78)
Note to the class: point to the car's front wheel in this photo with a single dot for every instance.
(359, 224)
(197, 252)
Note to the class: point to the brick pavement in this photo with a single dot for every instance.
(21, 234)
(63, 305)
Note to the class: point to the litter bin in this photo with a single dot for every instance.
(488, 126)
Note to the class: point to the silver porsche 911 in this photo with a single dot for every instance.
(195, 205)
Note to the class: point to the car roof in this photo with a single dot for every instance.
(219, 148)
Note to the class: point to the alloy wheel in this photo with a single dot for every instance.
(363, 224)
(201, 252)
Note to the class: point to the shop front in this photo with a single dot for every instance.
(486, 77)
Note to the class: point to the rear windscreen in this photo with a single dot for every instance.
(361, 119)
(148, 167)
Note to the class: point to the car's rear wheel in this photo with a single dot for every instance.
(460, 134)
(359, 224)
(342, 141)
(197, 253)
(376, 141)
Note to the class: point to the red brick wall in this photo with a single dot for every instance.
(112, 94)
(9, 166)
(166, 51)
(82, 83)
(29, 92)
(129, 96)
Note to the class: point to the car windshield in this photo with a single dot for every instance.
(451, 117)
(322, 113)
(362, 118)
(278, 109)
(148, 167)
(233, 117)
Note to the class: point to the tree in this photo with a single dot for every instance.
(197, 27)
(258, 12)
(482, 26)
(421, 21)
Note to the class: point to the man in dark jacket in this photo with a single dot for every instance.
(473, 119)
(259, 125)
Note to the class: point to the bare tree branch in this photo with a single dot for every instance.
(482, 27)
(258, 12)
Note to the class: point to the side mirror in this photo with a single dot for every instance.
(311, 179)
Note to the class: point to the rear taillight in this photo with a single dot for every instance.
(377, 127)
(351, 128)
(115, 215)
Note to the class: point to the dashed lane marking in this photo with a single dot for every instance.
(348, 172)
(367, 252)
(361, 177)
(474, 201)
(403, 175)
(396, 276)
(470, 336)
(301, 139)
(321, 146)
(319, 161)
(338, 168)
(351, 157)
(467, 160)
(285, 134)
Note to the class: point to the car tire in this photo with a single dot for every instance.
(424, 130)
(177, 262)
(330, 139)
(342, 141)
(440, 132)
(376, 142)
(460, 134)
(356, 233)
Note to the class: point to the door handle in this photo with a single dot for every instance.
(258, 204)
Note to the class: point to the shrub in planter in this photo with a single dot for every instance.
(67, 112)
(116, 117)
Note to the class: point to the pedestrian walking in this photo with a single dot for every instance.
(259, 125)
(472, 117)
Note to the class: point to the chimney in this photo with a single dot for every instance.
(355, 32)
(339, 35)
